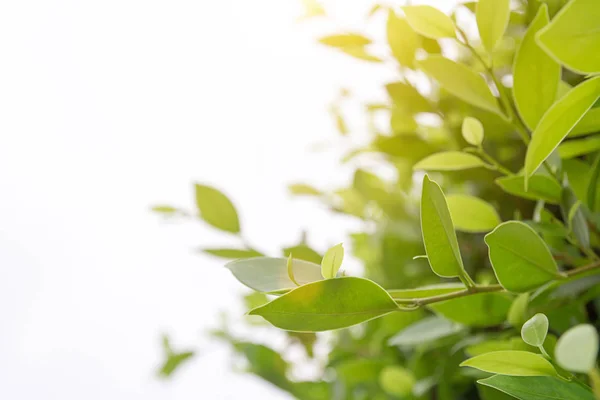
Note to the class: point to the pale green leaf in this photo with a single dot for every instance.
(216, 209)
(573, 37)
(537, 388)
(558, 121)
(534, 331)
(472, 131)
(407, 99)
(396, 380)
(332, 261)
(429, 21)
(402, 39)
(424, 331)
(492, 19)
(345, 40)
(361, 53)
(518, 310)
(290, 269)
(232, 253)
(167, 210)
(449, 161)
(540, 187)
(329, 304)
(266, 274)
(461, 81)
(590, 123)
(303, 252)
(577, 349)
(574, 216)
(512, 362)
(536, 75)
(301, 189)
(520, 268)
(471, 214)
(439, 237)
(579, 147)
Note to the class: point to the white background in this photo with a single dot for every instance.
(107, 107)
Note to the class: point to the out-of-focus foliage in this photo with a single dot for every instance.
(481, 268)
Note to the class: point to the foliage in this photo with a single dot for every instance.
(518, 250)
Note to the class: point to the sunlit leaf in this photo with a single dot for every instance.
(471, 214)
(402, 39)
(345, 40)
(397, 381)
(534, 331)
(332, 261)
(512, 363)
(303, 252)
(536, 75)
(429, 21)
(472, 131)
(407, 99)
(577, 349)
(233, 253)
(558, 121)
(518, 310)
(438, 232)
(450, 161)
(573, 37)
(590, 123)
(579, 147)
(540, 187)
(520, 268)
(301, 189)
(266, 274)
(460, 81)
(216, 209)
(492, 19)
(329, 304)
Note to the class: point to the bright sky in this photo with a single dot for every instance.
(110, 106)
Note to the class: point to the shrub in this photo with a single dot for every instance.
(480, 256)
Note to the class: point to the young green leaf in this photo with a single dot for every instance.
(402, 39)
(540, 187)
(573, 37)
(590, 123)
(518, 310)
(518, 267)
(478, 310)
(429, 21)
(536, 75)
(577, 349)
(558, 121)
(512, 362)
(329, 304)
(537, 388)
(290, 269)
(407, 99)
(266, 274)
(579, 147)
(345, 40)
(360, 53)
(461, 81)
(233, 253)
(472, 131)
(534, 331)
(301, 189)
(492, 20)
(471, 214)
(216, 209)
(332, 261)
(397, 381)
(424, 331)
(575, 218)
(449, 161)
(439, 237)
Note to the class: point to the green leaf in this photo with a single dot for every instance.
(537, 388)
(449, 161)
(407, 99)
(173, 359)
(439, 237)
(402, 39)
(301, 189)
(592, 185)
(590, 123)
(266, 274)
(579, 147)
(573, 37)
(479, 310)
(577, 349)
(472, 131)
(492, 19)
(511, 362)
(558, 121)
(540, 187)
(233, 253)
(396, 381)
(329, 304)
(534, 331)
(518, 310)
(460, 81)
(536, 75)
(290, 269)
(518, 267)
(167, 210)
(429, 22)
(332, 261)
(425, 331)
(471, 214)
(303, 252)
(345, 40)
(361, 53)
(575, 218)
(216, 209)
